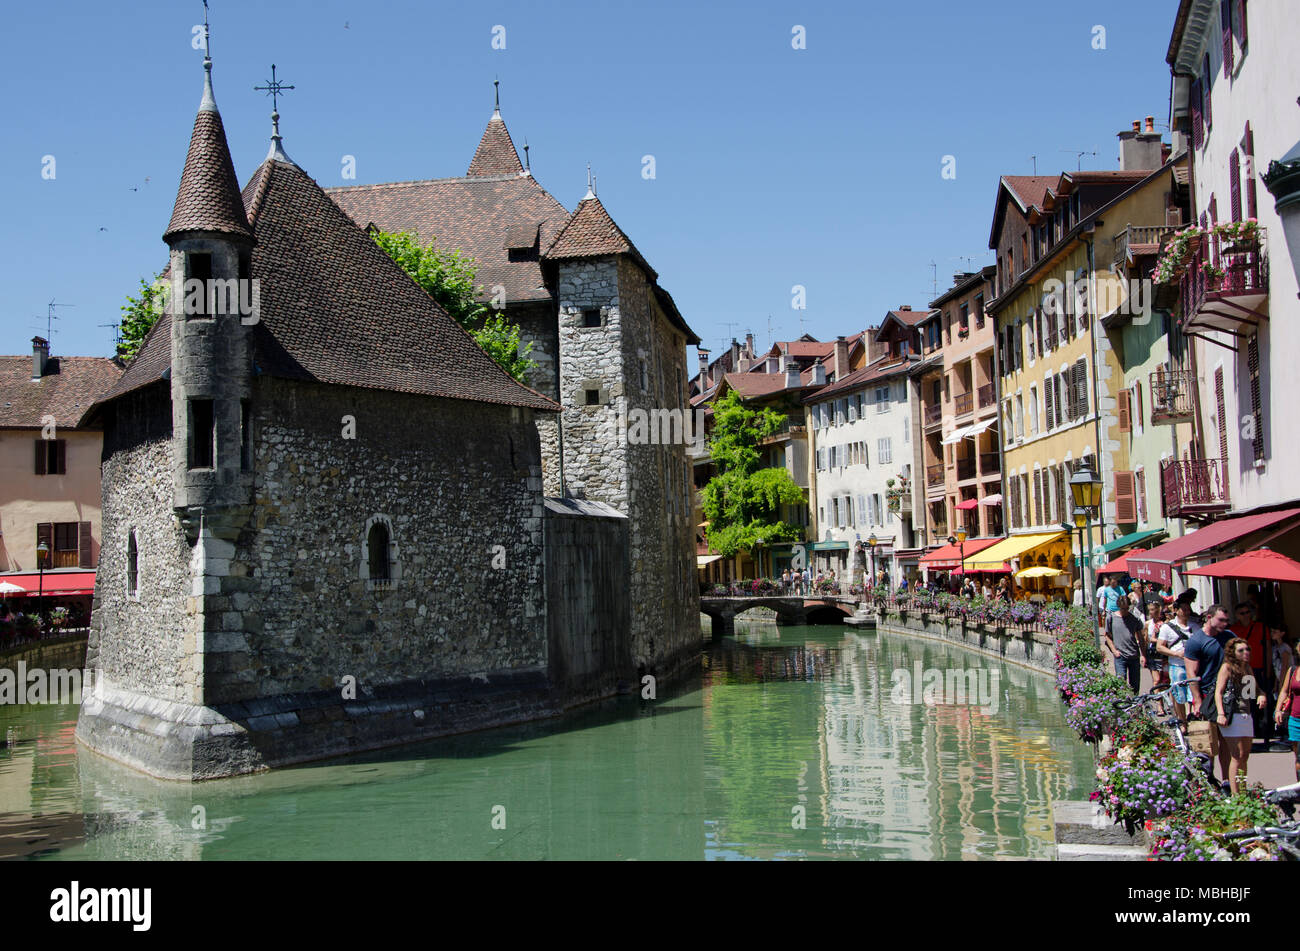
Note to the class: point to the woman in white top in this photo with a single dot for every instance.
(1173, 637)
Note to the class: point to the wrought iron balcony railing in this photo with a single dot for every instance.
(1194, 487)
(1173, 396)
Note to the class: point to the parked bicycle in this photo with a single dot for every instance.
(1285, 837)
(1199, 765)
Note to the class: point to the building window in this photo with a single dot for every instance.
(1033, 411)
(199, 269)
(591, 317)
(882, 399)
(51, 456)
(979, 311)
(1020, 417)
(132, 566)
(592, 397)
(645, 374)
(202, 443)
(377, 553)
(884, 451)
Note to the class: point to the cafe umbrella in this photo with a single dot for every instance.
(1261, 565)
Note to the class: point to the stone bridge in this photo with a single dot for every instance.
(789, 609)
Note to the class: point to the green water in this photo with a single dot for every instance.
(787, 745)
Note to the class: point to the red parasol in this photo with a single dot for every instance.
(1261, 565)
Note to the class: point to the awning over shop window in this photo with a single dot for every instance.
(1158, 563)
(54, 583)
(956, 436)
(997, 557)
(702, 560)
(949, 556)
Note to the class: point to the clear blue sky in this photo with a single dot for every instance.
(775, 166)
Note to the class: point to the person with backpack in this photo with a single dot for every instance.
(1126, 640)
(1172, 638)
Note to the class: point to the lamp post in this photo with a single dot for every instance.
(1085, 487)
(42, 551)
(961, 549)
(872, 542)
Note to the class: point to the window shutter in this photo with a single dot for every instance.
(1125, 411)
(45, 535)
(1234, 179)
(1141, 483)
(1049, 386)
(1206, 90)
(1125, 501)
(1241, 23)
(41, 454)
(84, 546)
(1198, 127)
(1252, 207)
(1037, 516)
(1081, 386)
(1256, 406)
(1225, 22)
(62, 452)
(1138, 415)
(1222, 414)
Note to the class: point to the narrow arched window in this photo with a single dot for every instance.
(377, 549)
(132, 566)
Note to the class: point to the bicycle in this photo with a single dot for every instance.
(1199, 765)
(1285, 798)
(1286, 838)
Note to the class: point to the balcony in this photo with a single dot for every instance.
(933, 476)
(965, 469)
(1226, 285)
(963, 403)
(933, 415)
(1173, 396)
(1194, 488)
(987, 396)
(1136, 240)
(990, 463)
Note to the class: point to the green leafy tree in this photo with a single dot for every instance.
(448, 277)
(743, 501)
(139, 314)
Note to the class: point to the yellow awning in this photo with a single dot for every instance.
(993, 557)
(702, 560)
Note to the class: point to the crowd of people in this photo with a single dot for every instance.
(1233, 669)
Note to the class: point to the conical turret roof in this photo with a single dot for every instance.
(496, 153)
(208, 197)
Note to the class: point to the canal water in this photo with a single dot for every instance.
(791, 743)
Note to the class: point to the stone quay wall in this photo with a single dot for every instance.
(1026, 649)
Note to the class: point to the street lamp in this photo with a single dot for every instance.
(42, 551)
(872, 542)
(1085, 487)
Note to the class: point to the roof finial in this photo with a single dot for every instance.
(274, 88)
(209, 103)
(590, 192)
(496, 108)
(528, 167)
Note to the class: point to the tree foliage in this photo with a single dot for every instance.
(743, 501)
(139, 314)
(448, 277)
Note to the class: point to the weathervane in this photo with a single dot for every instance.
(273, 88)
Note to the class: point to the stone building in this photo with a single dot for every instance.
(608, 341)
(324, 522)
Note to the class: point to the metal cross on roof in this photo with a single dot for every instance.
(273, 88)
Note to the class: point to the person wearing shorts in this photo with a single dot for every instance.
(1234, 690)
(1174, 634)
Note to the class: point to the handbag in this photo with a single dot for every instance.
(1231, 691)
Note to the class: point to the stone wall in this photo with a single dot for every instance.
(147, 640)
(452, 480)
(587, 609)
(662, 585)
(1026, 649)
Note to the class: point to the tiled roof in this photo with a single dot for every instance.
(1029, 190)
(880, 370)
(592, 233)
(751, 385)
(910, 317)
(208, 196)
(475, 216)
(336, 309)
(496, 153)
(68, 388)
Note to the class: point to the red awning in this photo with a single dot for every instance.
(1120, 565)
(53, 583)
(1157, 563)
(968, 505)
(1262, 565)
(949, 556)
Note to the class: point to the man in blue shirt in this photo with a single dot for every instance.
(1203, 656)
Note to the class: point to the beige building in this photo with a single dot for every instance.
(49, 468)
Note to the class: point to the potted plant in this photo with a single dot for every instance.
(1238, 236)
(1213, 275)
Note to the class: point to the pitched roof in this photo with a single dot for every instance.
(70, 385)
(909, 317)
(336, 309)
(592, 233)
(1029, 190)
(480, 217)
(208, 196)
(496, 154)
(881, 369)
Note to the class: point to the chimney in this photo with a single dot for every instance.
(903, 307)
(819, 374)
(40, 356)
(792, 379)
(1140, 150)
(734, 353)
(704, 368)
(875, 348)
(841, 364)
(749, 345)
